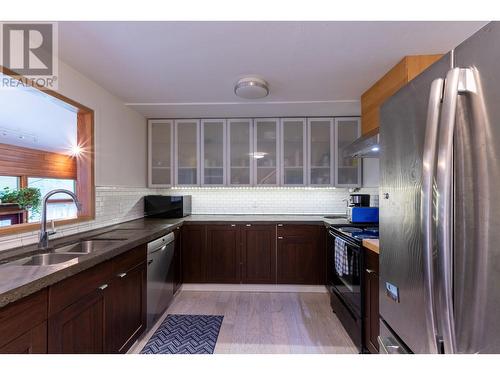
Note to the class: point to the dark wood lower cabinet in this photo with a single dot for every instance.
(100, 310)
(254, 253)
(23, 325)
(222, 253)
(81, 327)
(371, 323)
(193, 253)
(301, 255)
(258, 254)
(127, 315)
(33, 341)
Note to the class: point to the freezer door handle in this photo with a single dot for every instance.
(458, 81)
(426, 206)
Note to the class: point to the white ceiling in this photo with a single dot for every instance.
(49, 124)
(188, 69)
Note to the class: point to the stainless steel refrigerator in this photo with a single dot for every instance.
(440, 205)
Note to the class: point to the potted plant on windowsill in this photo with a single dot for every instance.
(25, 198)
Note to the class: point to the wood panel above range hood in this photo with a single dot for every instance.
(402, 73)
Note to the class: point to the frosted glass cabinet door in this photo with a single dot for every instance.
(213, 152)
(320, 151)
(348, 169)
(240, 152)
(160, 152)
(293, 151)
(265, 153)
(186, 151)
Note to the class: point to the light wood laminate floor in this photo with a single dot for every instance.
(263, 322)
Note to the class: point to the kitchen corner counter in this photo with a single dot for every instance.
(18, 281)
(372, 245)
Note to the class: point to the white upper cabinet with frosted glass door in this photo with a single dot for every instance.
(213, 152)
(266, 151)
(348, 169)
(240, 152)
(320, 155)
(187, 158)
(293, 151)
(160, 152)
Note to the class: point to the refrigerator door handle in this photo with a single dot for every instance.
(458, 80)
(426, 206)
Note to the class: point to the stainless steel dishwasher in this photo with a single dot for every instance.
(160, 276)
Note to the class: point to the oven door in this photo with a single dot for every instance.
(345, 269)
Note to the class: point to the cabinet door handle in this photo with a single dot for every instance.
(233, 225)
(248, 225)
(280, 238)
(122, 275)
(103, 286)
(370, 271)
(280, 225)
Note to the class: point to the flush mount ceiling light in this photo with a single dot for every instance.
(251, 88)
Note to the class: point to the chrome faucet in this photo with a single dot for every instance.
(43, 242)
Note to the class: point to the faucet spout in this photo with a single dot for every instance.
(43, 242)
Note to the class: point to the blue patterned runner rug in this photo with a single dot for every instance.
(185, 334)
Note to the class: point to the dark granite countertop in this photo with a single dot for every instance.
(18, 281)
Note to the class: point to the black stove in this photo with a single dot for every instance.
(360, 233)
(345, 274)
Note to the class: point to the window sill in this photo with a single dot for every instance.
(30, 227)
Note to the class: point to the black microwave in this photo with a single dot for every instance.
(167, 206)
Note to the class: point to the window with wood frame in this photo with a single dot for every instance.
(46, 143)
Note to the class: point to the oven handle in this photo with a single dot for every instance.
(349, 241)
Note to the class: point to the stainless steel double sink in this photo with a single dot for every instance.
(66, 253)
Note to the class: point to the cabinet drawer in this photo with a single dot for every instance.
(371, 260)
(71, 290)
(297, 230)
(21, 316)
(129, 260)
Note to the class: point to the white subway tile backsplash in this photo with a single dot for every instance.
(301, 201)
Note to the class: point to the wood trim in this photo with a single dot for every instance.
(23, 181)
(85, 186)
(399, 75)
(59, 201)
(30, 227)
(83, 164)
(418, 63)
(52, 93)
(23, 161)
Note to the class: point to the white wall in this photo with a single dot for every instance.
(120, 132)
(371, 172)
